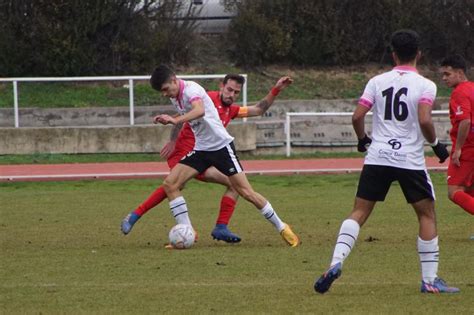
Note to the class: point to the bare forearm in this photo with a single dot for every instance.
(463, 132)
(359, 127)
(428, 131)
(175, 131)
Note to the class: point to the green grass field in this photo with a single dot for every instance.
(62, 252)
(309, 83)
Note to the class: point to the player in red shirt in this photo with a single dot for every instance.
(461, 113)
(182, 142)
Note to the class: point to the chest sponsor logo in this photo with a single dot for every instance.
(459, 110)
(396, 145)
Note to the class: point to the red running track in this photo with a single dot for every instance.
(57, 172)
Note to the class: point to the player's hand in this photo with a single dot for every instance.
(441, 151)
(164, 119)
(283, 83)
(456, 156)
(167, 149)
(363, 144)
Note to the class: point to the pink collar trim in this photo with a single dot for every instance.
(406, 68)
(181, 89)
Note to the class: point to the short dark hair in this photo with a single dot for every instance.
(405, 44)
(236, 77)
(161, 75)
(455, 61)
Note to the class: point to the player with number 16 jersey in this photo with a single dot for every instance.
(396, 136)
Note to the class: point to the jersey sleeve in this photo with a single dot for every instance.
(194, 92)
(234, 111)
(428, 94)
(462, 103)
(368, 97)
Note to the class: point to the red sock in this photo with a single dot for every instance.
(226, 210)
(154, 199)
(464, 200)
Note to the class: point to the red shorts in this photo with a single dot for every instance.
(461, 175)
(176, 156)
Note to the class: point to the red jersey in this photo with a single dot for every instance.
(461, 107)
(185, 140)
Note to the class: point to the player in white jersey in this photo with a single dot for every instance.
(213, 147)
(401, 101)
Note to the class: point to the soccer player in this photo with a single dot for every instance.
(182, 142)
(401, 100)
(461, 113)
(213, 147)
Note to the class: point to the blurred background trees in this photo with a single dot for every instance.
(107, 37)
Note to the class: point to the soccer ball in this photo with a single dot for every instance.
(182, 236)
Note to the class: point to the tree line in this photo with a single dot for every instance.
(110, 37)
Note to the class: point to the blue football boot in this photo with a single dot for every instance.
(128, 222)
(222, 233)
(324, 282)
(438, 286)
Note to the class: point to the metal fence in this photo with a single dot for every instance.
(130, 80)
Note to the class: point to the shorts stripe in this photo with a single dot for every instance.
(430, 183)
(234, 159)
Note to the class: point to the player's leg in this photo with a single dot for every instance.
(227, 162)
(463, 198)
(428, 249)
(418, 190)
(178, 176)
(460, 180)
(221, 231)
(242, 186)
(152, 201)
(374, 183)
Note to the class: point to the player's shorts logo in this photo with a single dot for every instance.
(188, 154)
(396, 145)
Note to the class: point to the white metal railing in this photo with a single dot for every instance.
(130, 79)
(289, 115)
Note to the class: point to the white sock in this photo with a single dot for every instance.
(270, 214)
(180, 211)
(345, 241)
(429, 258)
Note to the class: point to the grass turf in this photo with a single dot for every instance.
(62, 252)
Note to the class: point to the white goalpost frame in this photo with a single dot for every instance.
(287, 127)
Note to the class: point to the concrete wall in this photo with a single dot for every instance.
(52, 131)
(117, 139)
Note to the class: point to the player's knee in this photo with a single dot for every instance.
(170, 186)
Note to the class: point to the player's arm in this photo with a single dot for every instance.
(463, 131)
(261, 107)
(196, 112)
(169, 147)
(464, 119)
(428, 131)
(358, 123)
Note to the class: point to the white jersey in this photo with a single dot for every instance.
(208, 130)
(394, 96)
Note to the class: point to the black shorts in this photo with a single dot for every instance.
(225, 160)
(375, 181)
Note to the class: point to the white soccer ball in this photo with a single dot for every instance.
(182, 236)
